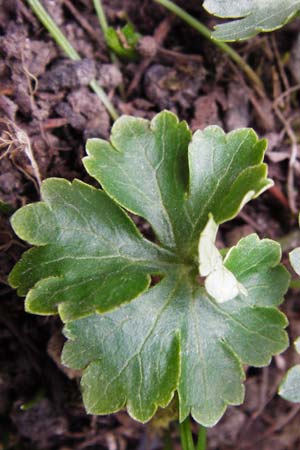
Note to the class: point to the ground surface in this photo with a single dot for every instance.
(47, 96)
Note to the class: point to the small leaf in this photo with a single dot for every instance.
(220, 283)
(138, 343)
(295, 260)
(290, 386)
(252, 16)
(123, 42)
(210, 258)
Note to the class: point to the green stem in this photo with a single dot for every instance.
(101, 15)
(186, 436)
(222, 45)
(295, 284)
(104, 99)
(201, 444)
(104, 27)
(66, 46)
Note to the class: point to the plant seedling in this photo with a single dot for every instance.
(138, 342)
(123, 41)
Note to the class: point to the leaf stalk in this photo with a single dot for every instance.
(101, 15)
(103, 25)
(295, 284)
(186, 436)
(201, 444)
(168, 440)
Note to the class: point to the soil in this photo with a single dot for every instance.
(47, 96)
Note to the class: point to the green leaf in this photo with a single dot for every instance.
(132, 357)
(90, 256)
(295, 259)
(251, 16)
(290, 385)
(138, 342)
(220, 283)
(123, 42)
(156, 171)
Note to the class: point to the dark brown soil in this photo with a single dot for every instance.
(47, 96)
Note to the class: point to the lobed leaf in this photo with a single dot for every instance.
(91, 257)
(251, 16)
(139, 342)
(156, 171)
(175, 335)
